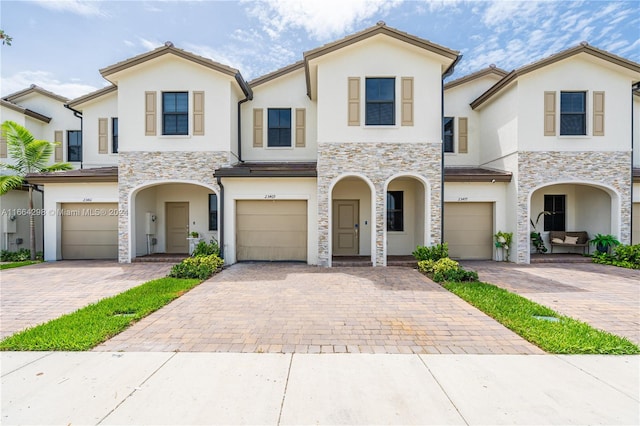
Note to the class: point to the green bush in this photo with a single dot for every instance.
(206, 249)
(623, 256)
(201, 267)
(18, 256)
(437, 252)
(446, 270)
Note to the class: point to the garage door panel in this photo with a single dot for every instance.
(271, 230)
(89, 231)
(468, 230)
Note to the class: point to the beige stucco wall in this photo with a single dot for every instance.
(105, 106)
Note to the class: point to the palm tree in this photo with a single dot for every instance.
(30, 155)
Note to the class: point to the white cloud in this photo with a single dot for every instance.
(150, 44)
(23, 79)
(321, 19)
(83, 8)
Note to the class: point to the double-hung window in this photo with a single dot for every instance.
(74, 145)
(175, 113)
(448, 134)
(395, 211)
(573, 115)
(279, 122)
(380, 102)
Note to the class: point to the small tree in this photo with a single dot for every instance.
(6, 38)
(30, 156)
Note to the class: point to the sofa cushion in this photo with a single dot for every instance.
(570, 240)
(557, 240)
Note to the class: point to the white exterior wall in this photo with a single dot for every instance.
(105, 106)
(456, 104)
(575, 74)
(58, 193)
(61, 119)
(499, 121)
(405, 242)
(379, 56)
(273, 189)
(15, 204)
(288, 91)
(636, 131)
(167, 74)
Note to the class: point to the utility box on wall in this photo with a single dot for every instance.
(9, 223)
(150, 223)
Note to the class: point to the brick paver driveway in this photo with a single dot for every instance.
(262, 307)
(607, 297)
(34, 294)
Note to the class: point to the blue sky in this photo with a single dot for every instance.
(61, 45)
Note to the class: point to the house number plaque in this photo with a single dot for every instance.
(270, 196)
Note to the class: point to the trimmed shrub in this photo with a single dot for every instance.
(437, 252)
(201, 267)
(206, 249)
(623, 256)
(446, 269)
(18, 256)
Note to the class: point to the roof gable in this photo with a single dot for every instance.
(34, 89)
(93, 95)
(583, 48)
(25, 111)
(491, 70)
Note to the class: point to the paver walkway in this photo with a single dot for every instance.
(262, 307)
(606, 297)
(31, 295)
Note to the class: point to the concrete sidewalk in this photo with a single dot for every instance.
(249, 388)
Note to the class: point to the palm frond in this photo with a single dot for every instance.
(9, 182)
(57, 167)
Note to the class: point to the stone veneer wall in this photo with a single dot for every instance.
(140, 168)
(378, 162)
(612, 169)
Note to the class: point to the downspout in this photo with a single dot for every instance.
(78, 114)
(634, 88)
(446, 74)
(221, 227)
(248, 97)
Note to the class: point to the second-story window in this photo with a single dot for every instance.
(380, 101)
(448, 134)
(114, 135)
(573, 116)
(279, 127)
(74, 145)
(175, 113)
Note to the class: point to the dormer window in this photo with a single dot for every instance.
(175, 113)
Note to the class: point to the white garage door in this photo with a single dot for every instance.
(468, 229)
(271, 230)
(635, 232)
(90, 231)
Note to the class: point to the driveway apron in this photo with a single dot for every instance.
(284, 307)
(31, 295)
(606, 297)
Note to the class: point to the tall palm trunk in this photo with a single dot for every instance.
(32, 225)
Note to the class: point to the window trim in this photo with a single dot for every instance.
(393, 103)
(396, 210)
(176, 114)
(279, 128)
(583, 114)
(69, 132)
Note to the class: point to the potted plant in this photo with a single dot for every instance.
(604, 243)
(194, 234)
(536, 238)
(503, 241)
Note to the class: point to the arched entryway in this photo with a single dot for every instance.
(574, 207)
(406, 215)
(164, 214)
(352, 218)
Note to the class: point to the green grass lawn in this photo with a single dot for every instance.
(18, 264)
(565, 336)
(93, 324)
